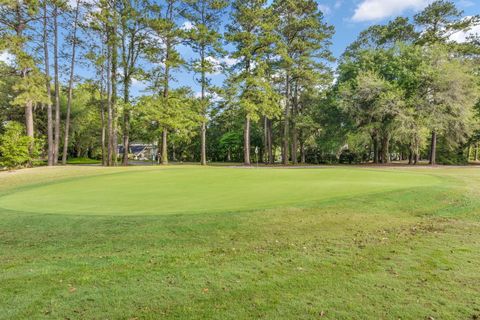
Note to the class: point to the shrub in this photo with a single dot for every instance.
(14, 146)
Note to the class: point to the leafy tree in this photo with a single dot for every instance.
(251, 32)
(15, 146)
(177, 114)
(448, 102)
(374, 103)
(133, 39)
(74, 43)
(16, 20)
(162, 51)
(205, 40)
(440, 20)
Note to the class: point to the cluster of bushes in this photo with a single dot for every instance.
(16, 149)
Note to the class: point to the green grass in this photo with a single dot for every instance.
(220, 243)
(83, 161)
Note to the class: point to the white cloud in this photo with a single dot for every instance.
(218, 64)
(7, 57)
(462, 36)
(325, 9)
(90, 3)
(187, 25)
(229, 62)
(369, 10)
(213, 96)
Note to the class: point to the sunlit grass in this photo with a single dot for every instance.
(407, 250)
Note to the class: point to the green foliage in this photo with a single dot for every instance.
(16, 149)
(179, 113)
(251, 32)
(440, 20)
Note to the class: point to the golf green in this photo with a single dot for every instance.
(159, 191)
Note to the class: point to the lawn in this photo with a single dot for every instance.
(223, 243)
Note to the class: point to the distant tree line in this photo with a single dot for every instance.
(402, 91)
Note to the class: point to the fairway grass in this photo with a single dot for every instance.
(223, 243)
(204, 190)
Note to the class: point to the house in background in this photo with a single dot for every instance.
(140, 151)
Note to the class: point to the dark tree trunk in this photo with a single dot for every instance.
(19, 27)
(285, 149)
(476, 152)
(57, 85)
(203, 155)
(103, 133)
(246, 142)
(302, 149)
(203, 135)
(126, 121)
(385, 148)
(265, 140)
(271, 156)
(50, 147)
(70, 87)
(114, 93)
(102, 111)
(376, 158)
(433, 149)
(294, 126)
(109, 102)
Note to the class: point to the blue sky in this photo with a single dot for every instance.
(350, 17)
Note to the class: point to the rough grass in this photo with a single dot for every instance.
(408, 252)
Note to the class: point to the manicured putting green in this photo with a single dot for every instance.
(152, 191)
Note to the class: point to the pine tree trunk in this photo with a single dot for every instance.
(29, 124)
(103, 134)
(126, 137)
(271, 158)
(302, 149)
(164, 147)
(70, 87)
(114, 93)
(286, 122)
(203, 159)
(50, 146)
(294, 143)
(246, 142)
(376, 157)
(433, 149)
(126, 120)
(57, 86)
(294, 126)
(109, 103)
(265, 140)
(19, 27)
(203, 154)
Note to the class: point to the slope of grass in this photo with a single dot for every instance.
(395, 245)
(181, 190)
